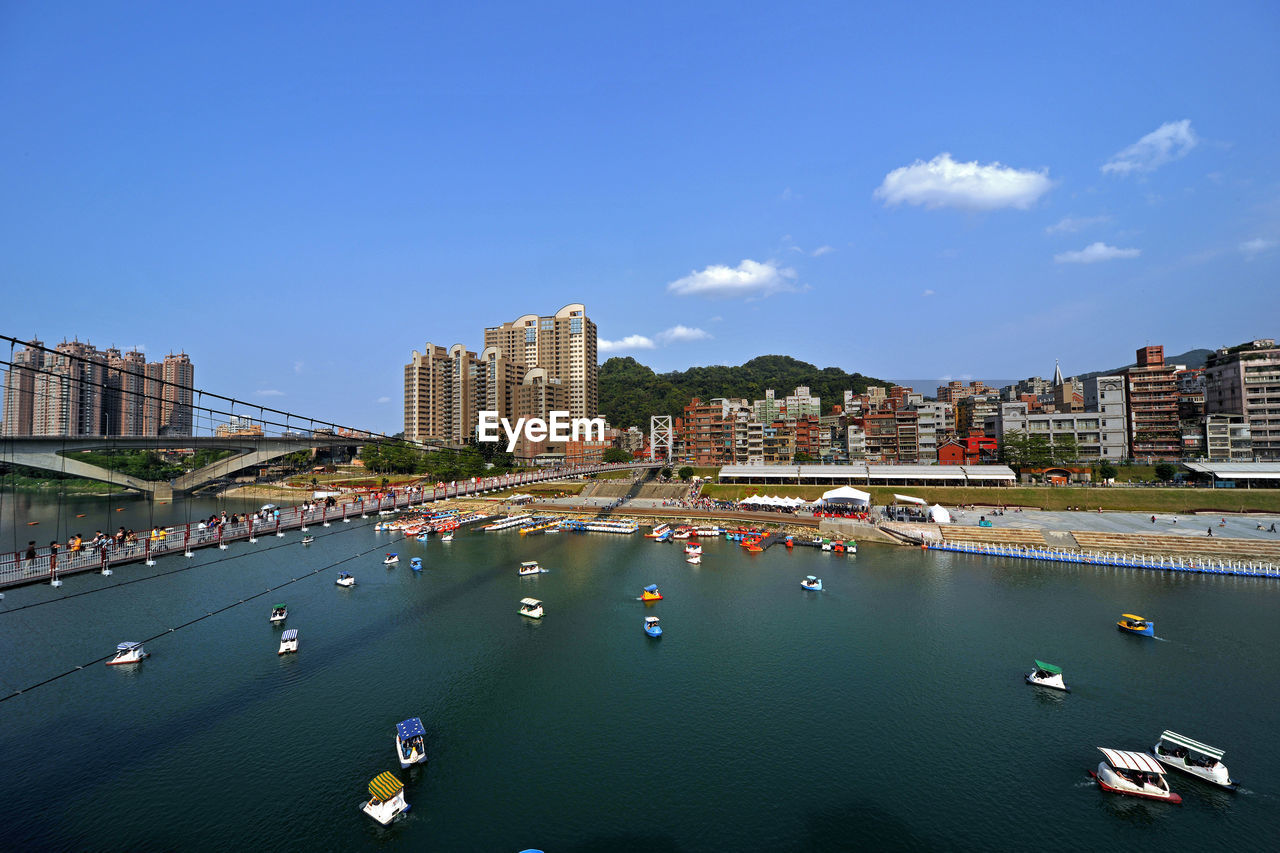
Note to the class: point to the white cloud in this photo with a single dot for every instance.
(383, 400)
(942, 182)
(681, 334)
(749, 278)
(1256, 246)
(297, 367)
(1072, 224)
(820, 251)
(269, 392)
(1095, 252)
(928, 293)
(629, 342)
(1168, 142)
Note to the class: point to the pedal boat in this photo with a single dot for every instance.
(279, 613)
(129, 653)
(1191, 756)
(660, 531)
(692, 549)
(1047, 675)
(307, 540)
(288, 642)
(651, 627)
(416, 564)
(386, 798)
(1134, 774)
(812, 583)
(531, 607)
(345, 579)
(529, 567)
(651, 593)
(391, 560)
(411, 745)
(696, 559)
(1131, 624)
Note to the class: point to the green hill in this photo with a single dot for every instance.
(1191, 358)
(630, 392)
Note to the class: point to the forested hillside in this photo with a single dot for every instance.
(630, 392)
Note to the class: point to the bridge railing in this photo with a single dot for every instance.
(46, 565)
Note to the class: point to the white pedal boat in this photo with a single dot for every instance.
(345, 579)
(129, 653)
(386, 798)
(279, 613)
(1191, 756)
(288, 642)
(1047, 675)
(1134, 774)
(411, 745)
(531, 607)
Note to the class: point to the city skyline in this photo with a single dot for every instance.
(951, 193)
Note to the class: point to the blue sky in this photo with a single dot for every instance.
(299, 194)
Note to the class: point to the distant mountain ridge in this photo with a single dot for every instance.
(1192, 359)
(630, 392)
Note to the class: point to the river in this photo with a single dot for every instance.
(886, 712)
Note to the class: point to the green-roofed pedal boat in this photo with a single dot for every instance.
(1190, 756)
(386, 798)
(279, 612)
(1047, 675)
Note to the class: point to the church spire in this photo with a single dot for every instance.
(1057, 374)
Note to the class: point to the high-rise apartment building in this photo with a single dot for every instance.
(76, 389)
(562, 344)
(1245, 380)
(1151, 398)
(527, 368)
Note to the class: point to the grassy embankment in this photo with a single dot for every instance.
(1154, 500)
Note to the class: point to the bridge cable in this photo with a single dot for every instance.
(191, 622)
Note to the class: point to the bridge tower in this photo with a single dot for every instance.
(660, 438)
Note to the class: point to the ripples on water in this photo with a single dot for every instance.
(886, 712)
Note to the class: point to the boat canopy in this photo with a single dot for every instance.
(528, 563)
(910, 499)
(653, 587)
(291, 634)
(1048, 667)
(1131, 617)
(810, 578)
(650, 619)
(280, 606)
(530, 602)
(385, 786)
(1193, 745)
(409, 728)
(125, 647)
(1125, 760)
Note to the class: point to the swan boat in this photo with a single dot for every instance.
(345, 579)
(651, 627)
(812, 583)
(1191, 756)
(651, 593)
(1134, 774)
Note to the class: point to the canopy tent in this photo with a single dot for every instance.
(909, 499)
(1048, 667)
(410, 728)
(385, 786)
(939, 515)
(846, 494)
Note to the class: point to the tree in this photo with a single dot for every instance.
(685, 473)
(801, 457)
(1165, 471)
(614, 455)
(1105, 471)
(1065, 450)
(665, 473)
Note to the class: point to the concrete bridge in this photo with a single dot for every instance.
(56, 453)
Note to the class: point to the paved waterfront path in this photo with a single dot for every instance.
(1237, 526)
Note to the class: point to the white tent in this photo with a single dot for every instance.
(754, 499)
(939, 514)
(846, 494)
(908, 499)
